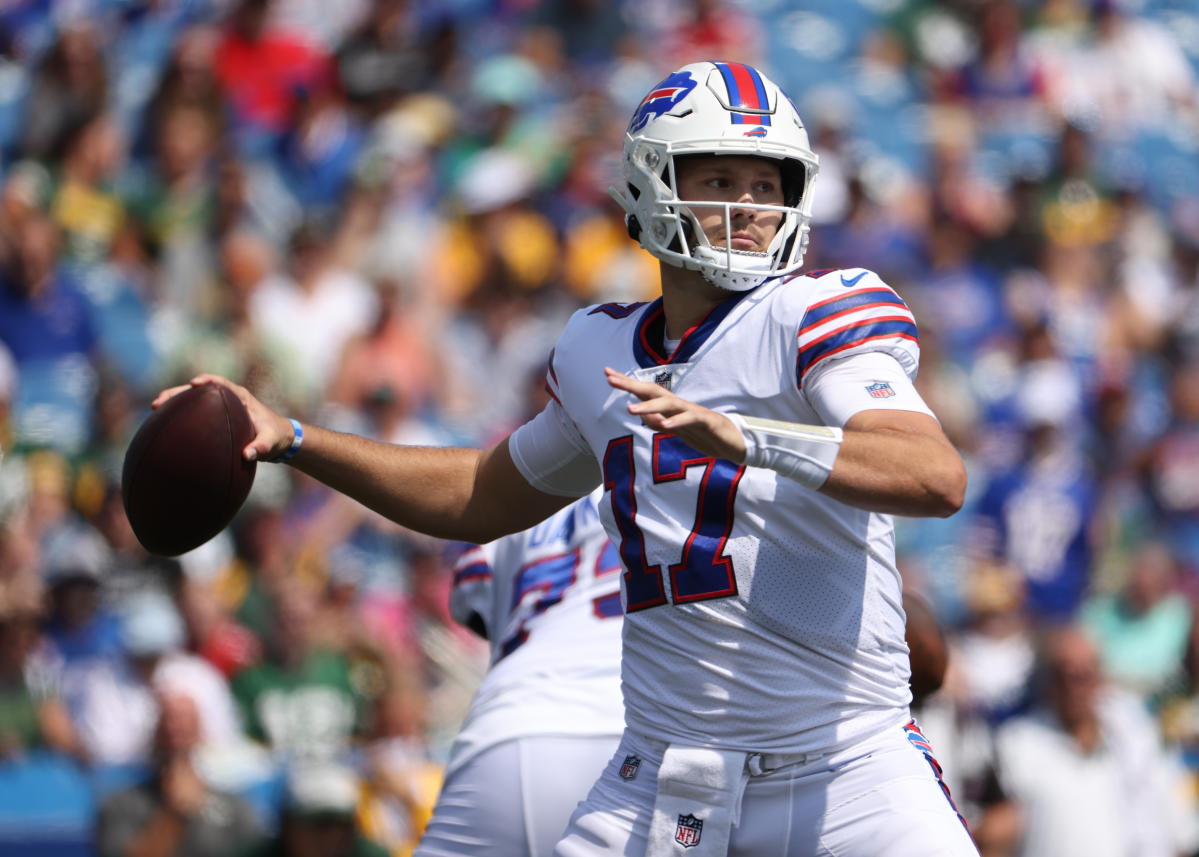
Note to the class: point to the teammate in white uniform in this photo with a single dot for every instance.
(752, 430)
(547, 716)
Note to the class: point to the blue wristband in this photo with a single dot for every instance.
(297, 438)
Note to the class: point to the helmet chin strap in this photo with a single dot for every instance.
(749, 270)
(734, 270)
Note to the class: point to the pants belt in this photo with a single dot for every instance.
(759, 764)
(756, 764)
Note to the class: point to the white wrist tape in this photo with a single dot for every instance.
(804, 453)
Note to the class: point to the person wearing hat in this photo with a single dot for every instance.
(319, 816)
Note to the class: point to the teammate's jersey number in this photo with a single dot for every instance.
(542, 583)
(703, 571)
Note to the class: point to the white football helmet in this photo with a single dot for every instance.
(715, 108)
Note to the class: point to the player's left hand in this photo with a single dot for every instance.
(661, 410)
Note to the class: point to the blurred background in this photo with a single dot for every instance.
(378, 214)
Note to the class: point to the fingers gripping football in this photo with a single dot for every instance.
(661, 410)
(272, 432)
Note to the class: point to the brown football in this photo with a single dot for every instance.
(184, 476)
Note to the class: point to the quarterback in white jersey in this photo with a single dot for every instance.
(547, 716)
(752, 431)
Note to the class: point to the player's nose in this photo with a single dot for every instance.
(744, 198)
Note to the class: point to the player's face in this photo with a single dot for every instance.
(733, 179)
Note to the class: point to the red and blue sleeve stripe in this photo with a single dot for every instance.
(861, 299)
(853, 335)
(478, 570)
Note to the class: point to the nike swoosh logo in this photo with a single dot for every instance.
(852, 281)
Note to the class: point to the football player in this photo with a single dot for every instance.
(753, 430)
(547, 716)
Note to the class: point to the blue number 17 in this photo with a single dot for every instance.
(703, 571)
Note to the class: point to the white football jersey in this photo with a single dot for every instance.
(778, 628)
(549, 601)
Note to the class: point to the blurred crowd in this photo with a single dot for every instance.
(378, 214)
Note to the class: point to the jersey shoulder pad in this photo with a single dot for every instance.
(849, 311)
(586, 331)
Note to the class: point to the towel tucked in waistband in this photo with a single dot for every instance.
(698, 801)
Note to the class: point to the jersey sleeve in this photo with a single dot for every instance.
(854, 312)
(472, 588)
(872, 380)
(552, 455)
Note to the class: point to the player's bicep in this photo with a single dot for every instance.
(508, 501)
(552, 455)
(873, 381)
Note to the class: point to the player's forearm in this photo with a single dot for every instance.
(455, 493)
(898, 473)
(426, 489)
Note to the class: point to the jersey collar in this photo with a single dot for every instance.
(650, 333)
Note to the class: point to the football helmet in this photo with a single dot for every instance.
(715, 108)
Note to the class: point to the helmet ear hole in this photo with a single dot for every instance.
(795, 177)
(634, 226)
(688, 230)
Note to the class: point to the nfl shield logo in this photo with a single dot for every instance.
(688, 831)
(630, 766)
(880, 390)
(662, 379)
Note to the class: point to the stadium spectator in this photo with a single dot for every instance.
(300, 701)
(214, 634)
(79, 626)
(1169, 469)
(993, 648)
(711, 28)
(48, 325)
(1129, 74)
(154, 638)
(396, 362)
(1085, 774)
(31, 714)
(314, 308)
(175, 813)
(87, 210)
(384, 58)
(400, 778)
(319, 817)
(188, 80)
(1038, 514)
(69, 87)
(1142, 628)
(262, 70)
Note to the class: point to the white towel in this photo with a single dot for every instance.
(698, 802)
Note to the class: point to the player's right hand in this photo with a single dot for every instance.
(272, 432)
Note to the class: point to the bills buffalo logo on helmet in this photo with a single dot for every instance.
(630, 766)
(662, 99)
(688, 831)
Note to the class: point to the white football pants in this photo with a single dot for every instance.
(515, 798)
(883, 797)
